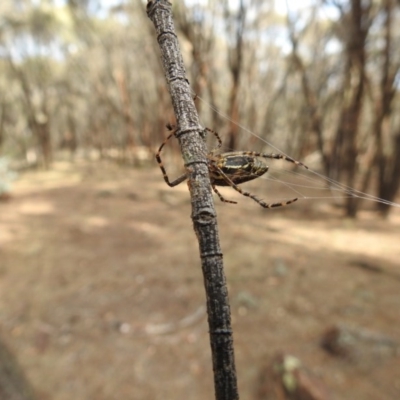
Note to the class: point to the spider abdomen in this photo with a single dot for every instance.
(239, 168)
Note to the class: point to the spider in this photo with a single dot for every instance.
(231, 169)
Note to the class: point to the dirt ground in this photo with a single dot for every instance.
(102, 297)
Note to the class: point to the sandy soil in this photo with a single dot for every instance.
(101, 292)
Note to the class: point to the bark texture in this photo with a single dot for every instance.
(191, 139)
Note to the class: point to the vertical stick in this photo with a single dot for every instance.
(191, 139)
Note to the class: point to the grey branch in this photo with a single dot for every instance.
(194, 152)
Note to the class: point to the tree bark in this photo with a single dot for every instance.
(310, 97)
(191, 139)
(345, 147)
(38, 120)
(236, 24)
(388, 162)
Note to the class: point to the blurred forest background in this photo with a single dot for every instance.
(101, 292)
(321, 80)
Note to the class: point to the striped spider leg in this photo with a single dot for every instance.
(183, 177)
(232, 169)
(160, 163)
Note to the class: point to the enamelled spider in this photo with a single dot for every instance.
(231, 169)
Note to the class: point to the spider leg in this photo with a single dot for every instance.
(218, 139)
(183, 177)
(281, 157)
(262, 203)
(221, 197)
(161, 165)
(273, 156)
(175, 182)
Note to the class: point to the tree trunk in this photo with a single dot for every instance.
(235, 29)
(345, 145)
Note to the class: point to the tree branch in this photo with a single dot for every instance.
(191, 139)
